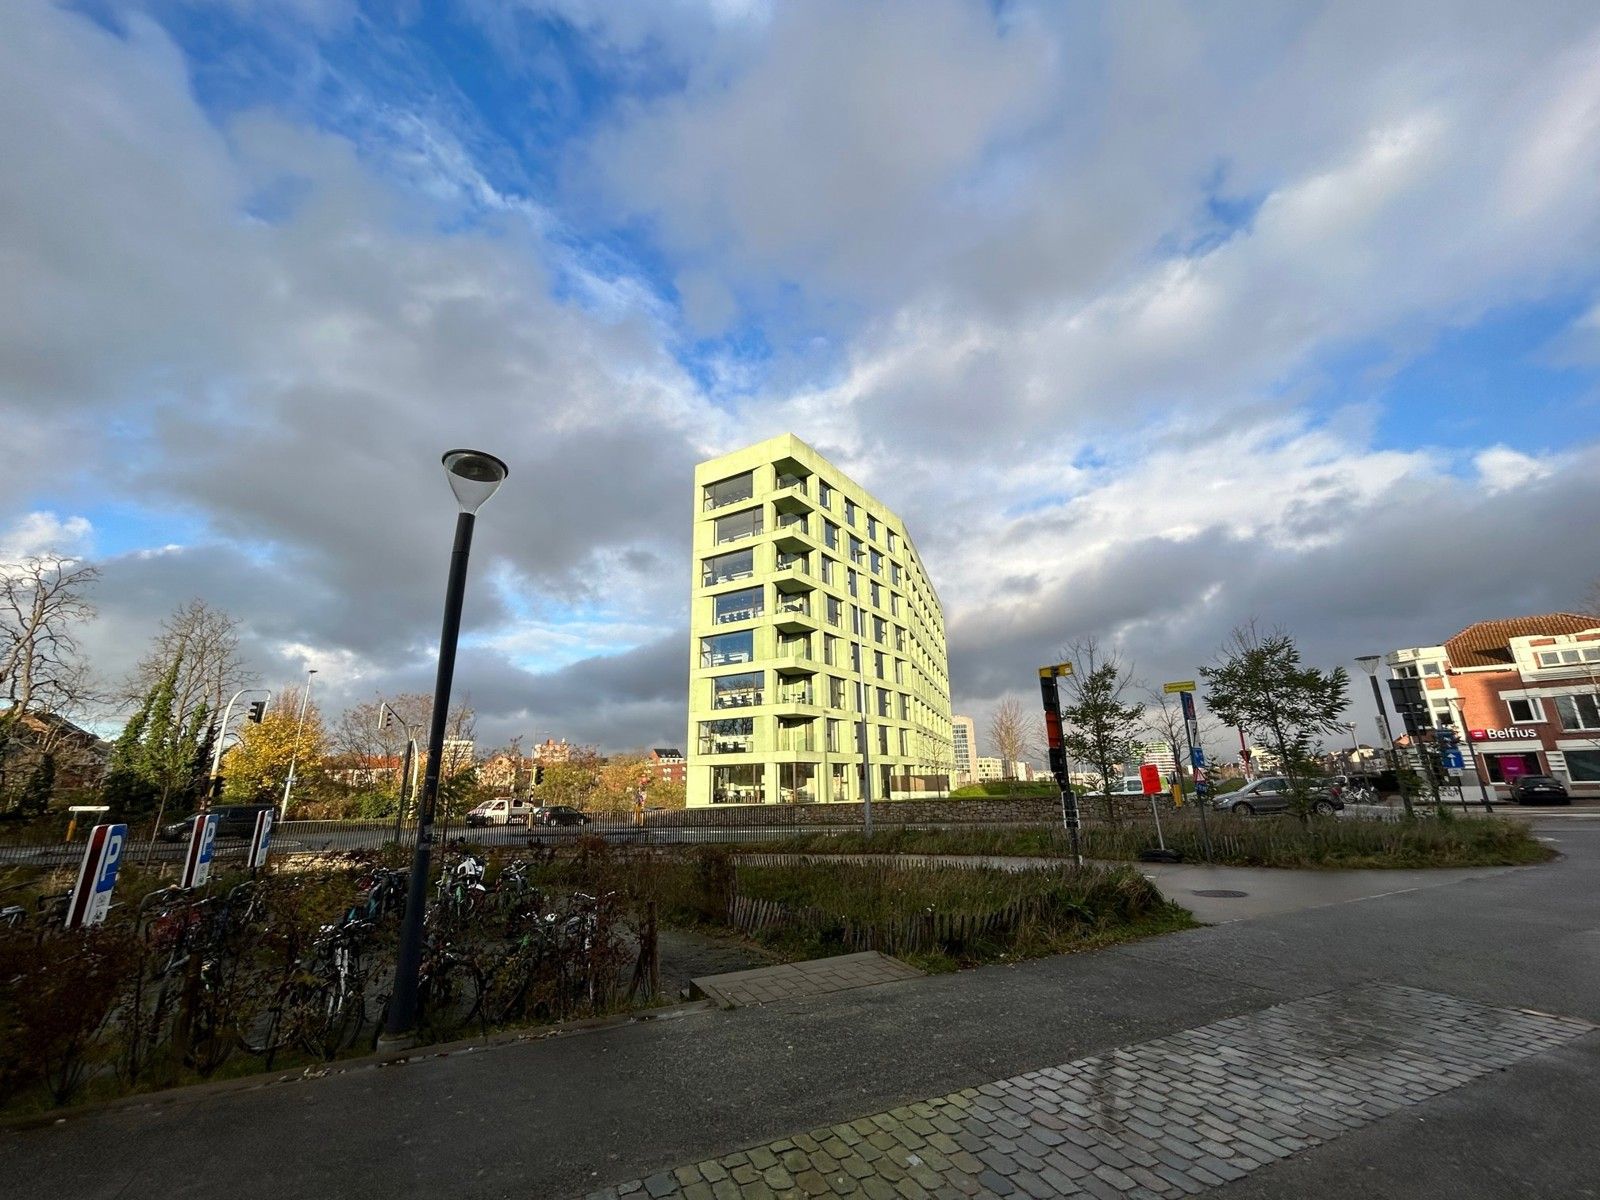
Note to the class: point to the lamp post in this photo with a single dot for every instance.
(294, 754)
(1369, 664)
(407, 764)
(474, 476)
(1355, 746)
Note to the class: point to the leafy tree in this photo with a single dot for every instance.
(1099, 728)
(257, 768)
(573, 781)
(202, 643)
(1260, 683)
(158, 760)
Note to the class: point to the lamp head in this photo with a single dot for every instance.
(1369, 663)
(474, 476)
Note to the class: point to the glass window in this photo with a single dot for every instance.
(872, 527)
(855, 657)
(834, 739)
(1570, 656)
(737, 691)
(729, 735)
(894, 543)
(883, 702)
(850, 512)
(835, 692)
(1579, 712)
(878, 663)
(793, 562)
(883, 743)
(905, 705)
(854, 580)
(894, 573)
(1524, 711)
(857, 550)
(857, 620)
(830, 535)
(877, 562)
(1430, 669)
(880, 629)
(894, 603)
(905, 751)
(824, 494)
(1584, 766)
(830, 649)
(738, 606)
(827, 569)
(797, 783)
(740, 783)
(900, 639)
(737, 525)
(741, 564)
(730, 491)
(1549, 659)
(724, 649)
(899, 670)
(877, 595)
(835, 610)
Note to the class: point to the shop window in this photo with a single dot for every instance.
(1584, 766)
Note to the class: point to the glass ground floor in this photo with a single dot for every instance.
(806, 782)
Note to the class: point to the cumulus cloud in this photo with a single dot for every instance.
(1074, 292)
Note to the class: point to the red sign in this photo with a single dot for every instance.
(1150, 778)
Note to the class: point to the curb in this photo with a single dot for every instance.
(196, 1092)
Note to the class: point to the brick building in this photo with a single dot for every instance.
(668, 764)
(1526, 691)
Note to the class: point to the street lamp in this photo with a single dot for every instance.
(1369, 664)
(294, 754)
(474, 476)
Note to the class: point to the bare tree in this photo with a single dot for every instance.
(42, 671)
(204, 642)
(1013, 734)
(1163, 721)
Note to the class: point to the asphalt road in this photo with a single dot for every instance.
(558, 1117)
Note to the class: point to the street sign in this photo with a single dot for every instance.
(91, 897)
(1453, 760)
(1197, 757)
(1056, 671)
(1150, 778)
(1186, 701)
(1050, 694)
(1183, 685)
(260, 839)
(202, 844)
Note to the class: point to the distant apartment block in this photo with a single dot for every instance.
(812, 624)
(668, 764)
(1160, 753)
(964, 749)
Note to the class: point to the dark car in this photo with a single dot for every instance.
(560, 814)
(1274, 794)
(233, 821)
(1539, 789)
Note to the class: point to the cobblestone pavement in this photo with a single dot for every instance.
(819, 976)
(1169, 1117)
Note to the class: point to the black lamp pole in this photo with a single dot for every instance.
(467, 469)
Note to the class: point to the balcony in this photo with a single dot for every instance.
(797, 738)
(748, 613)
(795, 565)
(795, 660)
(792, 614)
(727, 745)
(793, 533)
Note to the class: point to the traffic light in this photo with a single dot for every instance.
(258, 709)
(538, 774)
(388, 718)
(1410, 704)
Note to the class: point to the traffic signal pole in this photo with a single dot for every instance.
(214, 786)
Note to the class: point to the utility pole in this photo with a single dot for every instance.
(294, 754)
(1051, 694)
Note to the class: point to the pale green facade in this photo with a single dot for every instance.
(806, 592)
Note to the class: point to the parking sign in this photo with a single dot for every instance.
(97, 877)
(260, 839)
(202, 844)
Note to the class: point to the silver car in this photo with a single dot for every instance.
(1274, 794)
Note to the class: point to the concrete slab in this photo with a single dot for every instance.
(790, 981)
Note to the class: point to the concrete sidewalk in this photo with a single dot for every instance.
(567, 1116)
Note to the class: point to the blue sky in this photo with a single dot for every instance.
(279, 253)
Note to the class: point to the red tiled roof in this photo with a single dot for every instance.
(1488, 643)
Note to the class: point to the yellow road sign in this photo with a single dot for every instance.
(1183, 685)
(1057, 671)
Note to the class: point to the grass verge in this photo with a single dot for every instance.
(1236, 841)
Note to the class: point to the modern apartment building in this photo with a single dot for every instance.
(964, 748)
(816, 638)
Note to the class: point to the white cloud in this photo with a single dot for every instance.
(46, 533)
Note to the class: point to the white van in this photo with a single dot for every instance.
(502, 810)
(1129, 785)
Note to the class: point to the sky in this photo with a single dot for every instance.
(1148, 319)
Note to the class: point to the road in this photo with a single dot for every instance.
(565, 1115)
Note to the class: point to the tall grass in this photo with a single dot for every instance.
(1235, 841)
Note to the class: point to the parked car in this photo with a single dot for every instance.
(1273, 794)
(502, 810)
(559, 814)
(1539, 789)
(233, 821)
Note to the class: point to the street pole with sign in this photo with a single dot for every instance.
(1185, 689)
(1058, 753)
(97, 876)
